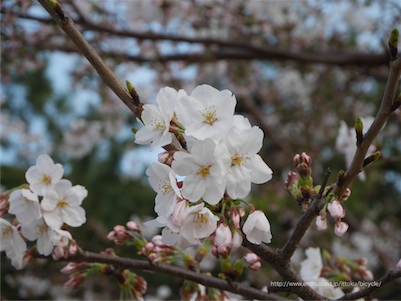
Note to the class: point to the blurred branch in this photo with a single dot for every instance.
(227, 49)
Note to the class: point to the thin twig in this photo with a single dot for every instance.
(304, 222)
(382, 115)
(390, 276)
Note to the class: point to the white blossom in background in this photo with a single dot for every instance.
(204, 175)
(312, 265)
(163, 181)
(12, 243)
(24, 204)
(81, 138)
(42, 176)
(346, 142)
(207, 112)
(310, 271)
(62, 204)
(257, 228)
(156, 119)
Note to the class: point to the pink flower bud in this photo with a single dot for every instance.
(162, 157)
(251, 258)
(158, 241)
(149, 246)
(291, 178)
(58, 253)
(111, 236)
(73, 248)
(321, 224)
(340, 228)
(255, 266)
(296, 160)
(152, 256)
(223, 236)
(133, 226)
(69, 268)
(235, 217)
(345, 195)
(336, 210)
(305, 158)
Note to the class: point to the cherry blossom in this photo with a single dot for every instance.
(38, 230)
(340, 228)
(200, 222)
(24, 205)
(12, 243)
(44, 174)
(207, 112)
(312, 265)
(62, 204)
(163, 181)
(204, 175)
(257, 228)
(243, 165)
(156, 119)
(335, 209)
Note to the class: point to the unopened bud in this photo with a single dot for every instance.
(393, 43)
(340, 228)
(359, 131)
(371, 158)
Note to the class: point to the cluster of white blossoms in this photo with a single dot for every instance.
(217, 159)
(41, 211)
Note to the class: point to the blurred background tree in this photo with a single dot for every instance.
(297, 69)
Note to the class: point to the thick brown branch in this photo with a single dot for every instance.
(179, 272)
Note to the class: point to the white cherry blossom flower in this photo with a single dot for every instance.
(242, 163)
(42, 176)
(312, 265)
(62, 204)
(40, 231)
(12, 243)
(257, 228)
(207, 112)
(200, 222)
(204, 175)
(163, 181)
(156, 119)
(24, 205)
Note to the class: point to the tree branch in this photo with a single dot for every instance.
(179, 272)
(382, 115)
(232, 50)
(390, 276)
(108, 76)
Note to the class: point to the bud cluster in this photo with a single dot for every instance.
(336, 210)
